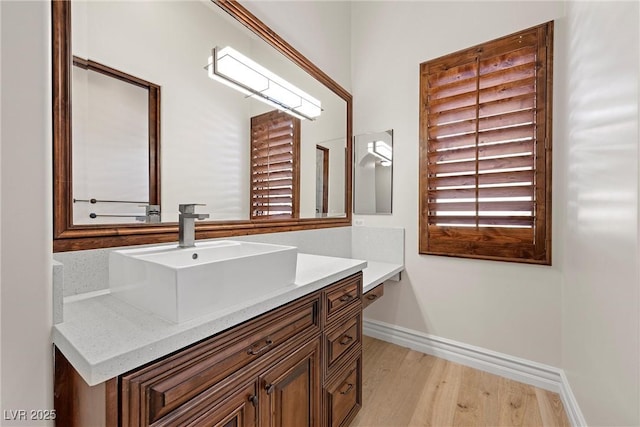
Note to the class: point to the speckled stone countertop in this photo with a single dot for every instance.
(104, 337)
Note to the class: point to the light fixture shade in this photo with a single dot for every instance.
(380, 149)
(232, 68)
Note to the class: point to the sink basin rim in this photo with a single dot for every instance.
(174, 257)
(166, 280)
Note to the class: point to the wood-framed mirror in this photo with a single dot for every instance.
(117, 127)
(226, 220)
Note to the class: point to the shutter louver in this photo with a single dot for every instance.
(483, 156)
(275, 139)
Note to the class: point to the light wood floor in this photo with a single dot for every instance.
(402, 387)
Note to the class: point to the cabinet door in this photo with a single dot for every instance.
(239, 411)
(291, 390)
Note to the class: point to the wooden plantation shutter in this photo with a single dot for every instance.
(275, 143)
(485, 150)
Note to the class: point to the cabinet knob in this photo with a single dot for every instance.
(372, 296)
(254, 399)
(269, 388)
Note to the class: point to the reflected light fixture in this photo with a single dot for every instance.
(235, 70)
(382, 150)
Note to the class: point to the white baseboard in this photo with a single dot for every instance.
(571, 404)
(515, 368)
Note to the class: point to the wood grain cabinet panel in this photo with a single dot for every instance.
(342, 349)
(343, 396)
(295, 366)
(291, 390)
(341, 297)
(342, 338)
(233, 405)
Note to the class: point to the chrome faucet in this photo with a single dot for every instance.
(186, 224)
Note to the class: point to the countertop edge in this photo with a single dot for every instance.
(95, 370)
(378, 272)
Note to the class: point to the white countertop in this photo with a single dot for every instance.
(104, 337)
(377, 272)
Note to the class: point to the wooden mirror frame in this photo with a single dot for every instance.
(70, 237)
(153, 121)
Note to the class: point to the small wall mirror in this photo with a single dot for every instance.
(373, 173)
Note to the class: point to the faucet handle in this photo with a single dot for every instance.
(189, 207)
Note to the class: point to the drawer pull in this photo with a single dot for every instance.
(347, 297)
(346, 340)
(348, 389)
(252, 351)
(372, 297)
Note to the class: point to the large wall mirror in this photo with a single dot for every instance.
(206, 148)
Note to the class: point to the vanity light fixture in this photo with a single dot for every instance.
(382, 150)
(235, 70)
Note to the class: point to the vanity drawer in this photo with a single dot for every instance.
(340, 340)
(163, 386)
(344, 395)
(228, 405)
(372, 296)
(342, 296)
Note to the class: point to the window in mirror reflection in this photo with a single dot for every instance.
(275, 176)
(373, 173)
(115, 136)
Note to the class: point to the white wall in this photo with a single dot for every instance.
(505, 307)
(320, 30)
(582, 314)
(596, 140)
(25, 174)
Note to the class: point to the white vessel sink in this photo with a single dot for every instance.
(180, 284)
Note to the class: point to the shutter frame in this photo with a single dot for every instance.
(451, 153)
(275, 166)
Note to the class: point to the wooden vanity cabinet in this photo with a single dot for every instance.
(286, 393)
(342, 339)
(297, 365)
